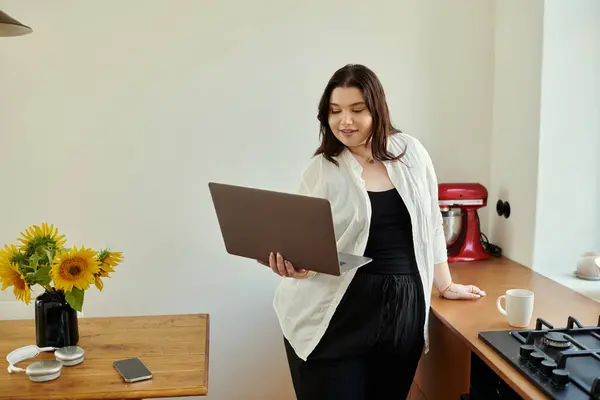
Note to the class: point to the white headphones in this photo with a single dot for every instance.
(44, 370)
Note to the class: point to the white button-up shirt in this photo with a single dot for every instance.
(304, 307)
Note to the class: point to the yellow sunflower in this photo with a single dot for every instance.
(9, 254)
(74, 268)
(44, 235)
(10, 276)
(108, 260)
(98, 282)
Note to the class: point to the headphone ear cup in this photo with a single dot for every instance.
(70, 355)
(44, 370)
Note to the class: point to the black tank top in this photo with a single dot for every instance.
(390, 242)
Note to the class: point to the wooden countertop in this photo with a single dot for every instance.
(174, 348)
(553, 302)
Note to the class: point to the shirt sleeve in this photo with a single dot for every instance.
(440, 250)
(311, 185)
(311, 181)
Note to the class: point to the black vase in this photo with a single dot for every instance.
(55, 321)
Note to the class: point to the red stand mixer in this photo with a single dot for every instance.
(459, 203)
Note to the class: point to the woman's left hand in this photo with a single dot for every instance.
(457, 291)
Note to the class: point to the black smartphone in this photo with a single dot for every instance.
(132, 370)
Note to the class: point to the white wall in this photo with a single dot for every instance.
(514, 146)
(546, 136)
(115, 115)
(568, 202)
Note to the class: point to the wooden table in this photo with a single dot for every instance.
(455, 325)
(174, 347)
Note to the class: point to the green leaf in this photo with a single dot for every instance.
(42, 276)
(34, 261)
(40, 251)
(75, 298)
(49, 255)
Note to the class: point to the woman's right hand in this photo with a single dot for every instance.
(284, 268)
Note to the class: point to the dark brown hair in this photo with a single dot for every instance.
(362, 78)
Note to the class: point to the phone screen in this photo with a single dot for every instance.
(132, 370)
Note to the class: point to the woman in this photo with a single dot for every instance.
(361, 335)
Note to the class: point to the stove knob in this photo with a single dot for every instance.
(525, 350)
(536, 358)
(547, 367)
(560, 378)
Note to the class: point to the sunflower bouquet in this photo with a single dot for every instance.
(41, 258)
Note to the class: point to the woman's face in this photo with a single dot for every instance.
(349, 119)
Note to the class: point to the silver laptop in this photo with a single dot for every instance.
(256, 222)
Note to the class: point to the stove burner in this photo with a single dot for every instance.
(556, 340)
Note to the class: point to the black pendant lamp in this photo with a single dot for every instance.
(11, 27)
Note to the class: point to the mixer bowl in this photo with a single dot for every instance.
(453, 220)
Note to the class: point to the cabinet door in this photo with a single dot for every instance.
(443, 373)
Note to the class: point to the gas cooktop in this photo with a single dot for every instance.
(564, 363)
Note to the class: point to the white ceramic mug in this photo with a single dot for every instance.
(519, 307)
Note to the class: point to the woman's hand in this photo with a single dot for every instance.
(284, 268)
(457, 291)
